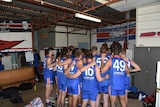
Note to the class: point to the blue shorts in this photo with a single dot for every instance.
(62, 87)
(103, 89)
(114, 92)
(48, 80)
(55, 73)
(91, 97)
(73, 89)
(127, 86)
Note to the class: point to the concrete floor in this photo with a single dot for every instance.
(31, 94)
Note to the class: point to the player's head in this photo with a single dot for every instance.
(83, 51)
(116, 51)
(105, 45)
(89, 56)
(64, 52)
(94, 50)
(35, 50)
(109, 50)
(50, 51)
(103, 51)
(77, 53)
(70, 49)
(123, 53)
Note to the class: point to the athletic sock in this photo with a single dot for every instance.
(47, 100)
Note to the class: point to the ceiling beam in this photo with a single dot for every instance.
(10, 18)
(54, 6)
(65, 10)
(75, 3)
(85, 6)
(125, 20)
(25, 9)
(19, 14)
(49, 5)
(63, 24)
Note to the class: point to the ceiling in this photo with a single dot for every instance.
(126, 5)
(44, 13)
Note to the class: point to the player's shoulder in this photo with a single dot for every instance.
(69, 59)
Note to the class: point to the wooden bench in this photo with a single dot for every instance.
(13, 78)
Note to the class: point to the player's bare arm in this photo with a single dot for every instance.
(77, 74)
(135, 66)
(50, 64)
(66, 71)
(98, 75)
(107, 66)
(87, 66)
(66, 62)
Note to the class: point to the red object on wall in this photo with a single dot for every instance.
(125, 45)
(148, 34)
(158, 33)
(8, 44)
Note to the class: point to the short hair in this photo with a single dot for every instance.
(89, 56)
(34, 50)
(77, 53)
(87, 51)
(123, 51)
(94, 48)
(83, 50)
(103, 50)
(49, 49)
(104, 45)
(116, 51)
(70, 48)
(64, 52)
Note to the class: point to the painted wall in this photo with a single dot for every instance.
(73, 39)
(60, 38)
(46, 38)
(35, 41)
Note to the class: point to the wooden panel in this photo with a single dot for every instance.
(15, 76)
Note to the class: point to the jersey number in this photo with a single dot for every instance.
(119, 65)
(89, 72)
(98, 61)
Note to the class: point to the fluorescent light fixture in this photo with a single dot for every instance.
(7, 0)
(82, 16)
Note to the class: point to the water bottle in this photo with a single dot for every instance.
(140, 97)
(35, 88)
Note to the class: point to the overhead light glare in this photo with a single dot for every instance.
(82, 16)
(7, 0)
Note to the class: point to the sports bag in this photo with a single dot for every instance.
(36, 102)
(16, 98)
